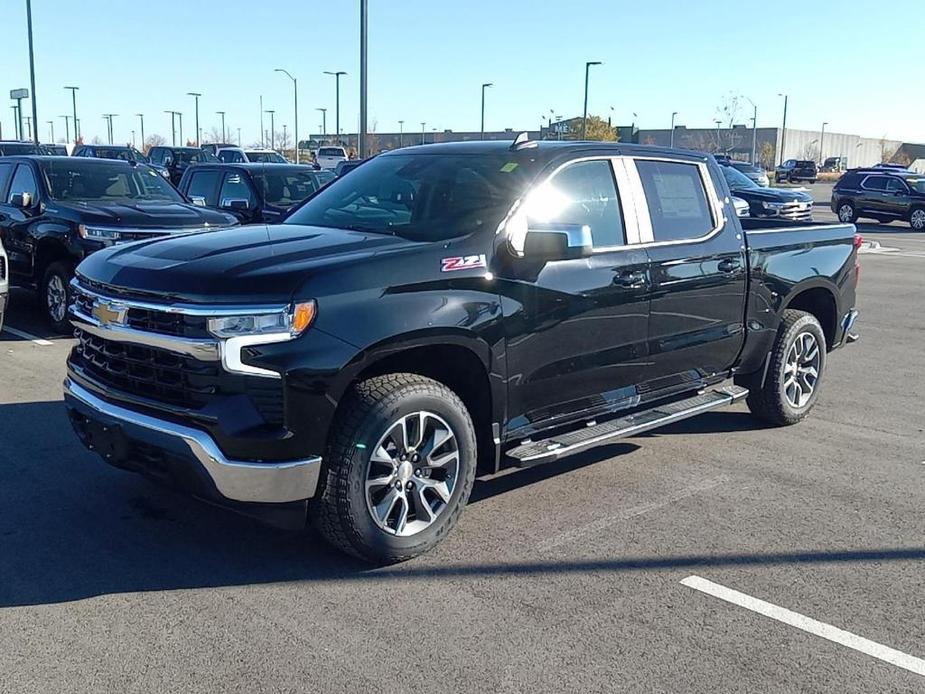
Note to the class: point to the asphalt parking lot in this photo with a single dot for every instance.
(561, 578)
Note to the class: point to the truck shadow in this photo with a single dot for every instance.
(72, 528)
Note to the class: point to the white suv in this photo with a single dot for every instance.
(330, 157)
(4, 282)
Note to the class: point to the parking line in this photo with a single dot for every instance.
(26, 336)
(807, 624)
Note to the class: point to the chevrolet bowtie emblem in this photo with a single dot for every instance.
(109, 314)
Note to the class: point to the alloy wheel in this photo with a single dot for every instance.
(56, 298)
(918, 220)
(801, 370)
(845, 213)
(412, 473)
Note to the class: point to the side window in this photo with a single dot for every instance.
(236, 187)
(6, 172)
(676, 198)
(156, 155)
(585, 193)
(23, 182)
(877, 183)
(894, 185)
(204, 184)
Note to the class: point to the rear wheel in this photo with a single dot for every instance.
(797, 362)
(56, 295)
(847, 213)
(917, 219)
(399, 469)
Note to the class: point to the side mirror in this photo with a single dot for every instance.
(558, 241)
(198, 200)
(21, 200)
(235, 205)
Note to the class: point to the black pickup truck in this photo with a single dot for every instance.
(55, 211)
(446, 309)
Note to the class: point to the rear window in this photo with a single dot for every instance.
(331, 152)
(806, 163)
(849, 180)
(677, 200)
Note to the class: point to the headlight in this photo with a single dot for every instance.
(773, 205)
(98, 234)
(289, 324)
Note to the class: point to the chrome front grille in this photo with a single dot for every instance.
(797, 211)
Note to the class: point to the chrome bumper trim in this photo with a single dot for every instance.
(235, 480)
(185, 309)
(203, 350)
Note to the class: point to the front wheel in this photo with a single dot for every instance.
(917, 219)
(847, 213)
(398, 471)
(794, 373)
(56, 295)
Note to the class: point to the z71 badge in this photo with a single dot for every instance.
(465, 262)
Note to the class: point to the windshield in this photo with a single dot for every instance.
(123, 153)
(423, 197)
(265, 158)
(74, 180)
(917, 183)
(744, 166)
(287, 188)
(736, 179)
(192, 156)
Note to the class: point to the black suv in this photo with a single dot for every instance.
(881, 194)
(56, 211)
(794, 170)
(11, 148)
(252, 192)
(178, 159)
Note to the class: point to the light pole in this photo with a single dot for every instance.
(783, 132)
(108, 118)
(295, 89)
(196, 96)
(74, 104)
(134, 146)
(324, 124)
(337, 75)
(484, 87)
(16, 122)
(822, 143)
(754, 130)
(423, 131)
(35, 118)
(401, 134)
(719, 143)
(224, 134)
(239, 137)
(67, 128)
(671, 136)
(173, 127)
(51, 125)
(263, 137)
(141, 118)
(28, 120)
(584, 120)
(180, 119)
(272, 129)
(364, 21)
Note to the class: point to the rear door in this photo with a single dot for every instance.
(698, 270)
(576, 343)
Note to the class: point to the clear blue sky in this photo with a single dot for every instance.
(428, 59)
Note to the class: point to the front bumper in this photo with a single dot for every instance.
(189, 458)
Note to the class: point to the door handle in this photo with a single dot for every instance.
(729, 265)
(630, 280)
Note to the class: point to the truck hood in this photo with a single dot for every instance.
(142, 215)
(245, 265)
(771, 195)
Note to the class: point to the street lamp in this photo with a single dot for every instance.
(324, 123)
(783, 132)
(401, 134)
(35, 118)
(133, 138)
(67, 128)
(222, 114)
(671, 136)
(484, 87)
(364, 52)
(272, 128)
(196, 96)
(754, 130)
(74, 104)
(173, 127)
(337, 75)
(51, 125)
(822, 143)
(108, 118)
(141, 118)
(584, 120)
(295, 89)
(423, 131)
(719, 143)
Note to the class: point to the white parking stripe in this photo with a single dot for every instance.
(26, 336)
(794, 619)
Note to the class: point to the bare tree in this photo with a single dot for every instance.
(154, 140)
(214, 135)
(767, 155)
(96, 140)
(728, 113)
(887, 152)
(283, 140)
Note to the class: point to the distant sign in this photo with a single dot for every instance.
(19, 93)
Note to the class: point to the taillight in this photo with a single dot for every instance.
(858, 241)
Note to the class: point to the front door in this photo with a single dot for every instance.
(698, 267)
(576, 329)
(15, 223)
